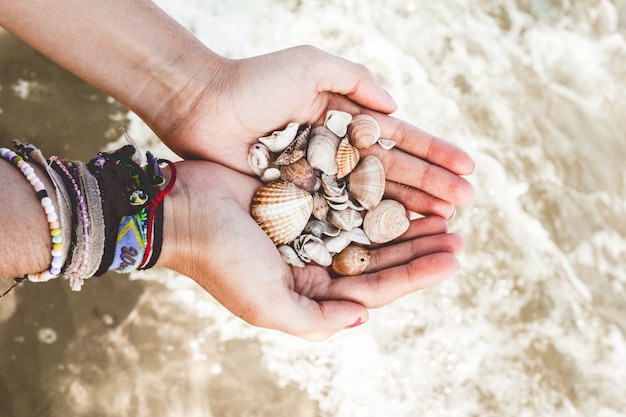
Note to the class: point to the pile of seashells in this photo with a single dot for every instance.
(321, 202)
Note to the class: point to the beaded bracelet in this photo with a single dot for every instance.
(56, 235)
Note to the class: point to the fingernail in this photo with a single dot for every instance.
(453, 214)
(390, 98)
(358, 322)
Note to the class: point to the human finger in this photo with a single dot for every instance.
(418, 201)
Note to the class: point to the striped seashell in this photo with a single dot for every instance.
(364, 131)
(347, 158)
(299, 173)
(337, 121)
(351, 261)
(282, 209)
(386, 221)
(322, 149)
(366, 182)
(320, 207)
(297, 149)
(281, 139)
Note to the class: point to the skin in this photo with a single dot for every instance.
(204, 106)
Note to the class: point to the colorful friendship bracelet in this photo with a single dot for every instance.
(56, 234)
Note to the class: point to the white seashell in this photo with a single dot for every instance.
(386, 144)
(346, 219)
(386, 221)
(332, 186)
(270, 174)
(299, 173)
(282, 210)
(297, 149)
(290, 256)
(280, 139)
(356, 235)
(347, 158)
(336, 244)
(322, 149)
(259, 158)
(332, 230)
(351, 261)
(337, 121)
(315, 227)
(366, 182)
(364, 131)
(310, 248)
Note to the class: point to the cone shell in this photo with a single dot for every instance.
(297, 149)
(386, 222)
(366, 182)
(282, 209)
(322, 150)
(364, 131)
(347, 158)
(351, 261)
(299, 173)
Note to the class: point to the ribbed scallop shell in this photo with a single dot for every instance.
(297, 149)
(299, 173)
(347, 158)
(351, 261)
(346, 219)
(386, 221)
(322, 149)
(364, 131)
(282, 210)
(320, 207)
(366, 182)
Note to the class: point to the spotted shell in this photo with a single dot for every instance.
(351, 261)
(364, 131)
(347, 158)
(282, 209)
(366, 182)
(386, 221)
(322, 149)
(299, 173)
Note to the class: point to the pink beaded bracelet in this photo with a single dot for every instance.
(56, 235)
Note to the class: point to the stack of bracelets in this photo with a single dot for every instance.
(109, 214)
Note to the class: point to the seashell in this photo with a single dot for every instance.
(320, 207)
(310, 248)
(259, 158)
(347, 158)
(272, 173)
(364, 131)
(280, 139)
(315, 227)
(386, 144)
(337, 121)
(333, 187)
(322, 149)
(351, 261)
(297, 149)
(299, 173)
(290, 256)
(282, 209)
(356, 235)
(346, 219)
(366, 182)
(386, 221)
(336, 244)
(332, 230)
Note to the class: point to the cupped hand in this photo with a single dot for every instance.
(210, 236)
(249, 98)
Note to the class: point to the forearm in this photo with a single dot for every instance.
(25, 244)
(131, 50)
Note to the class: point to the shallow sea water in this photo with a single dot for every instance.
(533, 324)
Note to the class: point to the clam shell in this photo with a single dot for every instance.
(366, 182)
(299, 173)
(386, 144)
(386, 221)
(270, 174)
(282, 209)
(320, 207)
(259, 158)
(346, 219)
(280, 139)
(364, 131)
(351, 261)
(347, 158)
(356, 235)
(337, 121)
(322, 149)
(297, 149)
(336, 244)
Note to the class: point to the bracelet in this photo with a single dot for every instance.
(56, 234)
